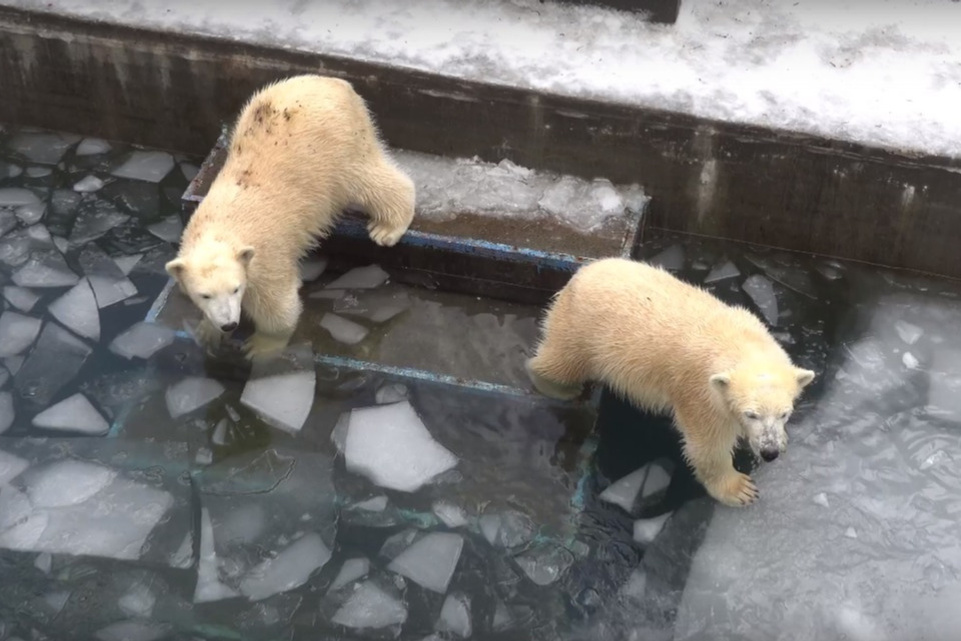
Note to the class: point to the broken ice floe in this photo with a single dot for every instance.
(390, 393)
(142, 340)
(288, 570)
(545, 563)
(31, 214)
(92, 147)
(643, 484)
(20, 297)
(46, 268)
(191, 394)
(127, 263)
(149, 166)
(77, 311)
(671, 259)
(375, 504)
(169, 229)
(10, 467)
(392, 447)
(455, 616)
(7, 415)
(17, 196)
(281, 391)
(508, 529)
(95, 217)
(74, 414)
(352, 570)
(370, 607)
(343, 330)
(88, 184)
(42, 147)
(646, 530)
(722, 272)
(430, 561)
(312, 268)
(449, 514)
(360, 278)
(17, 332)
(139, 601)
(209, 587)
(761, 291)
(54, 361)
(378, 307)
(110, 285)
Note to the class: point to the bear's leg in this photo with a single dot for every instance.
(275, 318)
(387, 195)
(207, 334)
(714, 467)
(554, 373)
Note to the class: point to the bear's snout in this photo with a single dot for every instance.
(769, 453)
(229, 327)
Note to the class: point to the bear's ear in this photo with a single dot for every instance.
(176, 268)
(245, 255)
(804, 377)
(721, 381)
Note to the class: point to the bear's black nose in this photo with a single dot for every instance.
(769, 454)
(229, 327)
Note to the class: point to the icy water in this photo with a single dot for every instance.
(148, 491)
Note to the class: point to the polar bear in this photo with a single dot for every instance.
(669, 346)
(303, 150)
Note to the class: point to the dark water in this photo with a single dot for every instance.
(175, 495)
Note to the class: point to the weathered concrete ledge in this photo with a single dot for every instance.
(718, 179)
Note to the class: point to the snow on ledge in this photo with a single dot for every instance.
(883, 73)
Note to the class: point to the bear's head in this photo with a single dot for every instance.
(760, 396)
(214, 276)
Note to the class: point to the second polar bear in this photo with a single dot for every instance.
(303, 150)
(669, 346)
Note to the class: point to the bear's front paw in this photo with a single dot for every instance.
(735, 489)
(385, 235)
(260, 346)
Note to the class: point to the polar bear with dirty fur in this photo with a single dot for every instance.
(671, 347)
(303, 150)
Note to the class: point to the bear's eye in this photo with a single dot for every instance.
(751, 416)
(237, 289)
(784, 416)
(205, 296)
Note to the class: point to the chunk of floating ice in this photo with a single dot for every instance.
(110, 285)
(851, 533)
(431, 561)
(378, 307)
(645, 482)
(42, 147)
(722, 272)
(17, 196)
(450, 515)
(21, 298)
(283, 399)
(390, 393)
(343, 330)
(168, 229)
(67, 482)
(189, 170)
(219, 437)
(312, 268)
(288, 570)
(10, 467)
(761, 292)
(545, 563)
(209, 587)
(360, 278)
(74, 414)
(821, 499)
(92, 147)
(370, 607)
(375, 504)
(509, 529)
(671, 259)
(350, 571)
(88, 184)
(455, 616)
(7, 220)
(331, 294)
(95, 217)
(191, 394)
(53, 362)
(646, 530)
(391, 446)
(127, 263)
(910, 360)
(7, 414)
(138, 602)
(77, 310)
(908, 332)
(133, 630)
(43, 562)
(142, 340)
(46, 269)
(17, 332)
(9, 170)
(38, 172)
(32, 213)
(149, 166)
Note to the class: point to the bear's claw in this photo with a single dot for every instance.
(736, 490)
(385, 235)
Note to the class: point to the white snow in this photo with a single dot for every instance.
(73, 414)
(142, 340)
(455, 616)
(370, 607)
(17, 332)
(885, 77)
(430, 561)
(88, 184)
(150, 166)
(17, 196)
(643, 482)
(391, 446)
(283, 400)
(92, 147)
(77, 310)
(343, 330)
(288, 570)
(21, 298)
(360, 278)
(191, 394)
(350, 571)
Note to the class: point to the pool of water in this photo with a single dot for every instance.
(149, 490)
